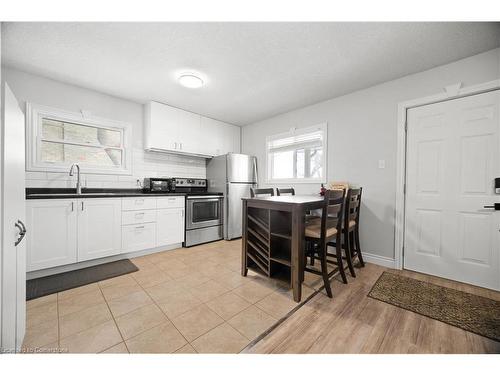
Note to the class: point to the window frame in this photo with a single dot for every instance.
(298, 131)
(35, 113)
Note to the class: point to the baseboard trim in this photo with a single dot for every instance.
(379, 260)
(94, 262)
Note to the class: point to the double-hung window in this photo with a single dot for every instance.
(298, 155)
(57, 139)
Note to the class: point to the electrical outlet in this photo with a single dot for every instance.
(381, 164)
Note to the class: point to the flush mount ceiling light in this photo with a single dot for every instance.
(190, 80)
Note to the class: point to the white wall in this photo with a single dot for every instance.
(362, 130)
(40, 90)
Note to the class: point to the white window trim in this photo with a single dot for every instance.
(34, 115)
(296, 131)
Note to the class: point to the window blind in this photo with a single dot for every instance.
(306, 140)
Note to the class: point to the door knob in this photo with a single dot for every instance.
(495, 206)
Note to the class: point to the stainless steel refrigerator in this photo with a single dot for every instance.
(234, 175)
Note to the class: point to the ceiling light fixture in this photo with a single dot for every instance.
(190, 80)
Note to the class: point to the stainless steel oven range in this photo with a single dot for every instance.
(204, 211)
(203, 219)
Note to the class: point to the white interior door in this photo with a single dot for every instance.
(453, 157)
(13, 252)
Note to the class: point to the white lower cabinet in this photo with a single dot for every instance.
(52, 239)
(138, 237)
(66, 231)
(99, 228)
(169, 226)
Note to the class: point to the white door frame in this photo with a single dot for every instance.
(450, 92)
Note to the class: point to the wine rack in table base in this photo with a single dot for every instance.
(269, 240)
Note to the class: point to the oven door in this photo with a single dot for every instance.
(203, 211)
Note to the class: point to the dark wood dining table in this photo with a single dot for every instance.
(280, 210)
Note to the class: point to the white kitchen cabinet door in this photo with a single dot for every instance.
(161, 131)
(190, 137)
(138, 237)
(169, 226)
(230, 138)
(212, 143)
(99, 228)
(52, 240)
(219, 137)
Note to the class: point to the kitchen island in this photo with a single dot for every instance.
(273, 235)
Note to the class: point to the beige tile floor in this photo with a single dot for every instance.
(190, 300)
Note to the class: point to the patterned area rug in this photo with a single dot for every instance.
(470, 312)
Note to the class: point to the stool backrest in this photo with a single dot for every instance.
(332, 212)
(352, 205)
(267, 191)
(290, 191)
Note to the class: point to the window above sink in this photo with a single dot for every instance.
(58, 138)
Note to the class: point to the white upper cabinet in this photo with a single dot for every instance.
(160, 127)
(174, 130)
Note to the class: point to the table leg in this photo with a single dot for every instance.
(244, 218)
(297, 252)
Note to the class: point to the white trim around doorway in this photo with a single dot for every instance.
(450, 92)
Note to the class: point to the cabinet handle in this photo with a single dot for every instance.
(139, 214)
(82, 205)
(141, 227)
(139, 201)
(72, 206)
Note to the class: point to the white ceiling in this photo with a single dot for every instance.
(253, 70)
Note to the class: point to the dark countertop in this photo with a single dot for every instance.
(66, 193)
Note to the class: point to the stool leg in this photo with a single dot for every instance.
(324, 270)
(338, 254)
(358, 248)
(347, 249)
(311, 251)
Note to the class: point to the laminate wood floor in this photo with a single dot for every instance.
(352, 322)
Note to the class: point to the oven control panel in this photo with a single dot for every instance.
(190, 182)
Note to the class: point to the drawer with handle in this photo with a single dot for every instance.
(138, 237)
(139, 203)
(138, 217)
(170, 202)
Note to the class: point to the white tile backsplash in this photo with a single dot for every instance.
(144, 164)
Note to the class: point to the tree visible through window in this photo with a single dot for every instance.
(58, 139)
(68, 143)
(297, 157)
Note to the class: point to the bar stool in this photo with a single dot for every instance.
(284, 191)
(320, 231)
(350, 229)
(266, 192)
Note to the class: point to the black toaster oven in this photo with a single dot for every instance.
(157, 185)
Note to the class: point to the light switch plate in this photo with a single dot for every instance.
(381, 164)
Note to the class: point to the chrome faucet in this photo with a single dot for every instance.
(78, 183)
